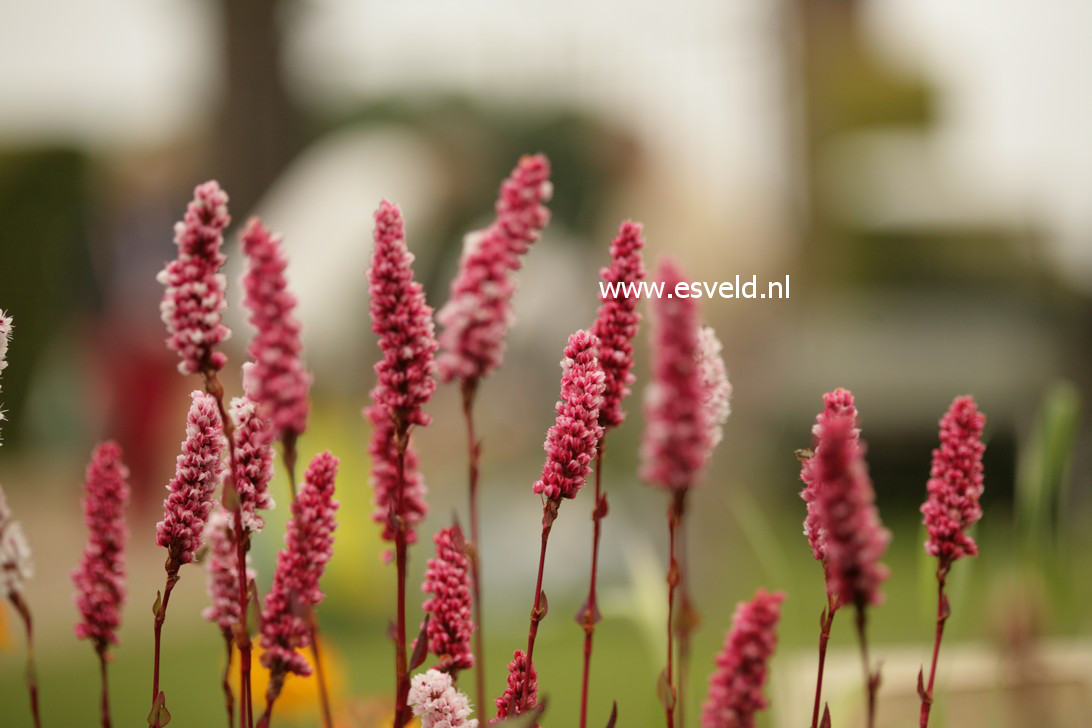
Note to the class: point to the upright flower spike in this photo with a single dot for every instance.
(521, 677)
(955, 483)
(384, 477)
(735, 689)
(448, 582)
(100, 578)
(677, 432)
(5, 337)
(437, 703)
(193, 302)
(190, 492)
(308, 547)
(222, 570)
(715, 388)
(253, 464)
(955, 486)
(835, 404)
(476, 318)
(616, 323)
(16, 565)
(572, 441)
(281, 381)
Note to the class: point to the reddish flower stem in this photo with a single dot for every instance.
(591, 611)
(23, 609)
(872, 679)
(242, 544)
(160, 617)
(674, 517)
(538, 610)
(685, 622)
(469, 390)
(104, 702)
(225, 682)
(401, 671)
(943, 611)
(276, 682)
(825, 622)
(289, 455)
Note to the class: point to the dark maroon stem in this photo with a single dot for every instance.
(943, 611)
(172, 567)
(825, 622)
(591, 611)
(469, 390)
(320, 671)
(685, 622)
(23, 609)
(872, 679)
(104, 701)
(538, 609)
(674, 517)
(401, 671)
(288, 456)
(225, 682)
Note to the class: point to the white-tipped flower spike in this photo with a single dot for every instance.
(716, 389)
(5, 337)
(435, 700)
(16, 566)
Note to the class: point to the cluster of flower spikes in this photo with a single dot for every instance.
(100, 577)
(735, 688)
(572, 441)
(308, 546)
(476, 318)
(955, 483)
(617, 320)
(281, 382)
(447, 579)
(193, 302)
(190, 492)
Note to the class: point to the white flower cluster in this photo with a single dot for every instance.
(437, 703)
(5, 337)
(716, 389)
(15, 563)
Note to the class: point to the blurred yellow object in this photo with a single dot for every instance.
(300, 694)
(5, 636)
(368, 713)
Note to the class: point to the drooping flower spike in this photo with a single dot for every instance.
(281, 381)
(193, 302)
(437, 703)
(253, 465)
(955, 483)
(735, 688)
(616, 323)
(191, 491)
(222, 571)
(100, 577)
(521, 672)
(476, 318)
(447, 580)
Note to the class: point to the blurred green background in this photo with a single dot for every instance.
(920, 169)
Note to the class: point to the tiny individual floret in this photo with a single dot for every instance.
(855, 539)
(677, 432)
(16, 566)
(447, 579)
(190, 492)
(281, 382)
(222, 570)
(735, 689)
(308, 546)
(476, 318)
(715, 387)
(434, 699)
(100, 577)
(193, 302)
(253, 463)
(955, 483)
(572, 441)
(514, 701)
(837, 403)
(384, 476)
(617, 320)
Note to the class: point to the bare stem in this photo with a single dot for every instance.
(826, 619)
(591, 610)
(872, 678)
(943, 611)
(104, 701)
(225, 682)
(401, 671)
(469, 390)
(320, 673)
(540, 606)
(276, 682)
(685, 621)
(288, 456)
(674, 517)
(172, 567)
(23, 609)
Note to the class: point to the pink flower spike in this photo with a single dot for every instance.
(384, 477)
(437, 703)
(100, 577)
(222, 569)
(5, 338)
(735, 689)
(447, 579)
(16, 566)
(190, 492)
(955, 483)
(281, 382)
(476, 318)
(572, 442)
(617, 320)
(308, 546)
(835, 404)
(194, 298)
(677, 432)
(403, 322)
(508, 704)
(253, 461)
(715, 387)
(854, 537)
